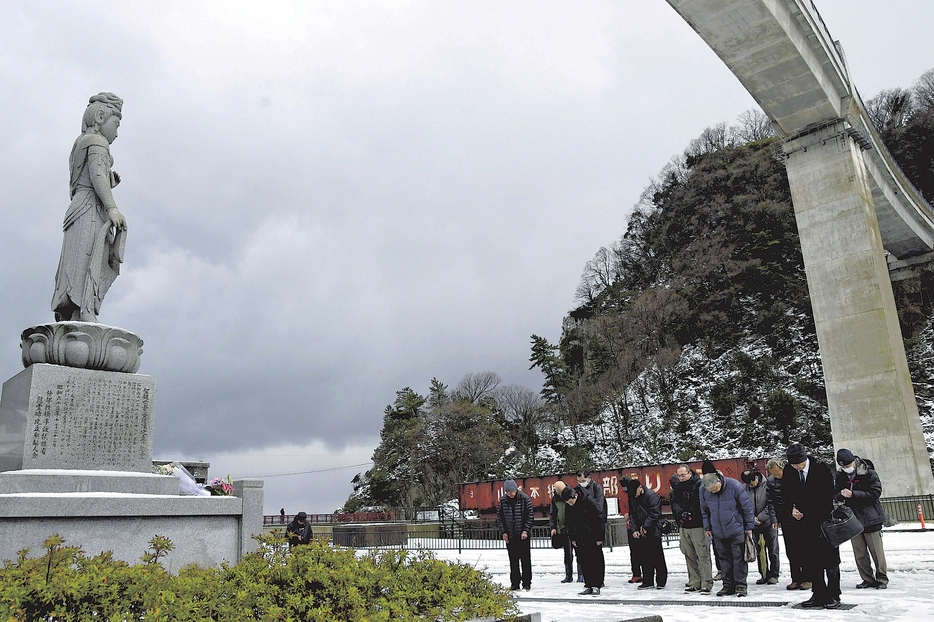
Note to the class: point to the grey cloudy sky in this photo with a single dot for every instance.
(328, 202)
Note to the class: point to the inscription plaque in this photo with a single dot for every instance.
(78, 419)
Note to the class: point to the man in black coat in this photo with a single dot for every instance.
(645, 512)
(514, 518)
(685, 506)
(808, 487)
(299, 530)
(586, 529)
(791, 529)
(859, 487)
(594, 490)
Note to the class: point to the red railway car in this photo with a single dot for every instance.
(484, 496)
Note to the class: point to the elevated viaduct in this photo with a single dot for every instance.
(858, 219)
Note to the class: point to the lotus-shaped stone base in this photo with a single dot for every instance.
(86, 345)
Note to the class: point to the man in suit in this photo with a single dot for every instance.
(808, 487)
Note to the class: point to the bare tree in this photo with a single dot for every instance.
(753, 125)
(711, 139)
(890, 110)
(524, 409)
(923, 90)
(474, 387)
(599, 275)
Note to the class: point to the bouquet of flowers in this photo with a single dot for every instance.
(220, 487)
(187, 483)
(163, 469)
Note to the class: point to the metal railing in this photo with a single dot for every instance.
(906, 509)
(451, 533)
(349, 517)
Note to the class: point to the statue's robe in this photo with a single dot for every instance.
(92, 249)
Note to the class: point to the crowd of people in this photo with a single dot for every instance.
(723, 524)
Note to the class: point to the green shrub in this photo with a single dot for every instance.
(310, 583)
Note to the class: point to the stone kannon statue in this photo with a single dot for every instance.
(95, 230)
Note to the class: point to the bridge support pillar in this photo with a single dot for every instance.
(872, 404)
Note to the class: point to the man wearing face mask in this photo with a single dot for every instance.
(859, 487)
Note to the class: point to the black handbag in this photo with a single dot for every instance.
(558, 540)
(841, 526)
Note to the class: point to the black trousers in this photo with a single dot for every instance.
(520, 552)
(654, 568)
(794, 551)
(733, 565)
(568, 559)
(590, 556)
(634, 558)
(821, 565)
(768, 562)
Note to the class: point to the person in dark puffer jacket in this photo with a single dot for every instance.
(859, 487)
(685, 505)
(514, 518)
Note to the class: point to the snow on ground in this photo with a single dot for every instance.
(910, 596)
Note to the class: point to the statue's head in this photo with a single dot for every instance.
(103, 108)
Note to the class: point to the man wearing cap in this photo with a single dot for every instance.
(808, 487)
(514, 518)
(299, 530)
(859, 487)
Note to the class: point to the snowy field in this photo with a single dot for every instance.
(910, 596)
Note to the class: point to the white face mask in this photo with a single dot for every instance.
(849, 470)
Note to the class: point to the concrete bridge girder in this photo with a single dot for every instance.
(784, 55)
(855, 212)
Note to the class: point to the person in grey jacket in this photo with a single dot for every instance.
(766, 530)
(514, 518)
(728, 518)
(859, 487)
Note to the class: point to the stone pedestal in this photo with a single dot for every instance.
(872, 404)
(55, 417)
(206, 531)
(68, 480)
(76, 437)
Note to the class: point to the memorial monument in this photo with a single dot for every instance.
(77, 424)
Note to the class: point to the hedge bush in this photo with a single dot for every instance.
(316, 583)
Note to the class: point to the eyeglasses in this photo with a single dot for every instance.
(683, 475)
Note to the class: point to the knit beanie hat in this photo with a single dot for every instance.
(510, 485)
(796, 453)
(708, 467)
